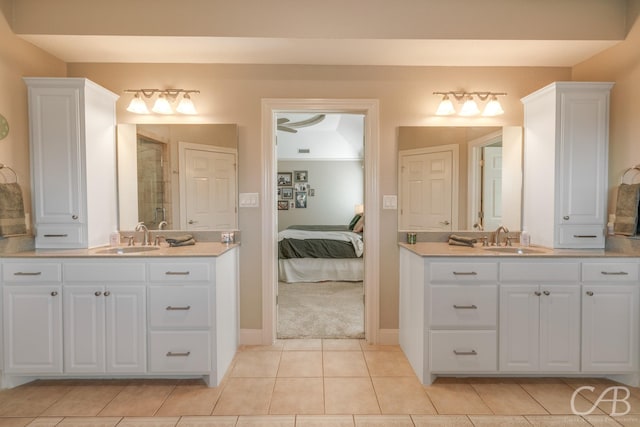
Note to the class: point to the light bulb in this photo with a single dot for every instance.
(162, 105)
(493, 107)
(137, 105)
(446, 107)
(186, 105)
(469, 108)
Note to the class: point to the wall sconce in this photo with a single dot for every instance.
(470, 107)
(163, 103)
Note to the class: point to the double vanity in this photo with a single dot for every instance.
(494, 311)
(162, 312)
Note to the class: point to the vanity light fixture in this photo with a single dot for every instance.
(162, 104)
(470, 106)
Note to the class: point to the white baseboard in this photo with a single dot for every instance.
(388, 337)
(250, 336)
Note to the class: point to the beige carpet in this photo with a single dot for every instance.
(320, 310)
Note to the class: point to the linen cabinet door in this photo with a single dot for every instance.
(519, 328)
(32, 328)
(610, 328)
(126, 331)
(560, 328)
(84, 338)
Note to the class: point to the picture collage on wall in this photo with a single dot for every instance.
(293, 190)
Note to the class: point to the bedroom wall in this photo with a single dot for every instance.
(338, 187)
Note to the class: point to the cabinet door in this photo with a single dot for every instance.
(583, 154)
(32, 329)
(519, 328)
(125, 329)
(84, 338)
(560, 328)
(610, 328)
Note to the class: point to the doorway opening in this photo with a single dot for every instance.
(320, 218)
(369, 109)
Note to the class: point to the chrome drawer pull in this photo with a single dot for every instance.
(465, 353)
(56, 235)
(465, 273)
(177, 273)
(585, 236)
(615, 273)
(172, 354)
(27, 273)
(178, 308)
(465, 307)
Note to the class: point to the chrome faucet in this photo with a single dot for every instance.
(162, 225)
(145, 230)
(496, 237)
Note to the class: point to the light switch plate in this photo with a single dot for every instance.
(390, 202)
(249, 200)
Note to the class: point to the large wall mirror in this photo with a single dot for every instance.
(178, 176)
(459, 178)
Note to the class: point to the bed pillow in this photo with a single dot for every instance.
(354, 221)
(359, 227)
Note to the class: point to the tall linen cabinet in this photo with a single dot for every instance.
(73, 162)
(566, 133)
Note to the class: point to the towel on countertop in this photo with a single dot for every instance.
(456, 240)
(12, 220)
(185, 240)
(627, 210)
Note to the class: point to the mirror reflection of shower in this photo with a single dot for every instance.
(153, 193)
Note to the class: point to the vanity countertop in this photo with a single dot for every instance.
(443, 249)
(200, 249)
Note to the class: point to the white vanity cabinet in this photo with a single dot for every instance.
(73, 162)
(540, 317)
(32, 317)
(566, 129)
(104, 317)
(610, 316)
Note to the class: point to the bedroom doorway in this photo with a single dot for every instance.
(369, 108)
(320, 199)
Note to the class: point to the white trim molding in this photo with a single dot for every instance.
(370, 108)
(250, 337)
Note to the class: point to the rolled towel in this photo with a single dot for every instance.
(453, 242)
(183, 243)
(179, 239)
(462, 239)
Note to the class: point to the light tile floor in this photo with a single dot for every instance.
(313, 383)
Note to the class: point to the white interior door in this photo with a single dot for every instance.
(210, 188)
(427, 196)
(492, 187)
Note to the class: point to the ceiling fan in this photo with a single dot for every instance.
(288, 126)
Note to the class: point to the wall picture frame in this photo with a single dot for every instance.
(286, 193)
(284, 179)
(300, 176)
(283, 205)
(301, 199)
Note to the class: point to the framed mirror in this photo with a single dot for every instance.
(459, 178)
(178, 176)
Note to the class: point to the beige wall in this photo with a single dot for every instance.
(620, 64)
(19, 59)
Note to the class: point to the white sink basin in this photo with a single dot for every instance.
(513, 250)
(127, 250)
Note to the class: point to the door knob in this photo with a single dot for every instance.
(192, 221)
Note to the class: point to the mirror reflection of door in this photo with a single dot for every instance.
(152, 192)
(210, 188)
(491, 197)
(428, 192)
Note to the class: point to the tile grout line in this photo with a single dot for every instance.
(534, 399)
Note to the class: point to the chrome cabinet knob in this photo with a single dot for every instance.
(54, 293)
(74, 216)
(566, 217)
(589, 293)
(107, 293)
(97, 293)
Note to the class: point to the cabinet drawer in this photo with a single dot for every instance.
(179, 307)
(179, 352)
(463, 351)
(609, 272)
(32, 272)
(60, 236)
(179, 272)
(581, 236)
(528, 272)
(104, 272)
(458, 306)
(463, 272)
